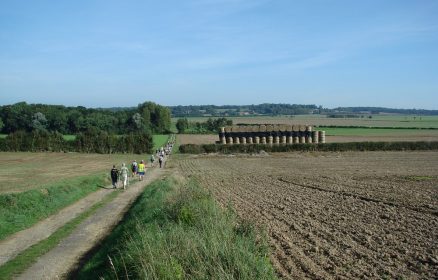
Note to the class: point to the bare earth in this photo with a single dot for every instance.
(335, 215)
(57, 263)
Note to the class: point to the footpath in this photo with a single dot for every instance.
(20, 241)
(65, 257)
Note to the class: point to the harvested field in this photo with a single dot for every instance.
(197, 139)
(23, 171)
(335, 215)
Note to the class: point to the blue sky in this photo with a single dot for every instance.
(120, 53)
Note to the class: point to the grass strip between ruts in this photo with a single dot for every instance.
(26, 258)
(19, 211)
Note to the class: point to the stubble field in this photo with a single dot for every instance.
(334, 215)
(23, 171)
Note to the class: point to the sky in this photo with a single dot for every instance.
(107, 53)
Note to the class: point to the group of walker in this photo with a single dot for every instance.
(139, 168)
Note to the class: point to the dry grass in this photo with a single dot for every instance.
(24, 171)
(197, 138)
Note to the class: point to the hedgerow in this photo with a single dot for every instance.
(334, 147)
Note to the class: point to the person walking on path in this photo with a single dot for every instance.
(141, 170)
(114, 176)
(124, 175)
(160, 160)
(134, 168)
(152, 160)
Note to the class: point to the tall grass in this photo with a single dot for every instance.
(21, 210)
(176, 231)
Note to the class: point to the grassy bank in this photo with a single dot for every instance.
(21, 210)
(176, 231)
(328, 147)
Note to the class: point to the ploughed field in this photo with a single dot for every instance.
(334, 215)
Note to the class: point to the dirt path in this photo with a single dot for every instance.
(20, 241)
(63, 258)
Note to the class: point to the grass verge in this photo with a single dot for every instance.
(26, 258)
(177, 231)
(21, 210)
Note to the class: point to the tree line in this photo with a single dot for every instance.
(271, 109)
(377, 110)
(91, 141)
(237, 110)
(146, 117)
(208, 127)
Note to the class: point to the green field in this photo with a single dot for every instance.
(346, 131)
(69, 137)
(160, 140)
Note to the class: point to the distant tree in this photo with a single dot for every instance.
(138, 121)
(1, 124)
(16, 117)
(39, 121)
(156, 117)
(182, 125)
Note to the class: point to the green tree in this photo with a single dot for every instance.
(39, 121)
(182, 125)
(16, 117)
(155, 117)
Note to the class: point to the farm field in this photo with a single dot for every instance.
(23, 171)
(321, 120)
(20, 171)
(334, 215)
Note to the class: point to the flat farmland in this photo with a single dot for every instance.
(197, 139)
(23, 171)
(321, 120)
(20, 171)
(334, 215)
